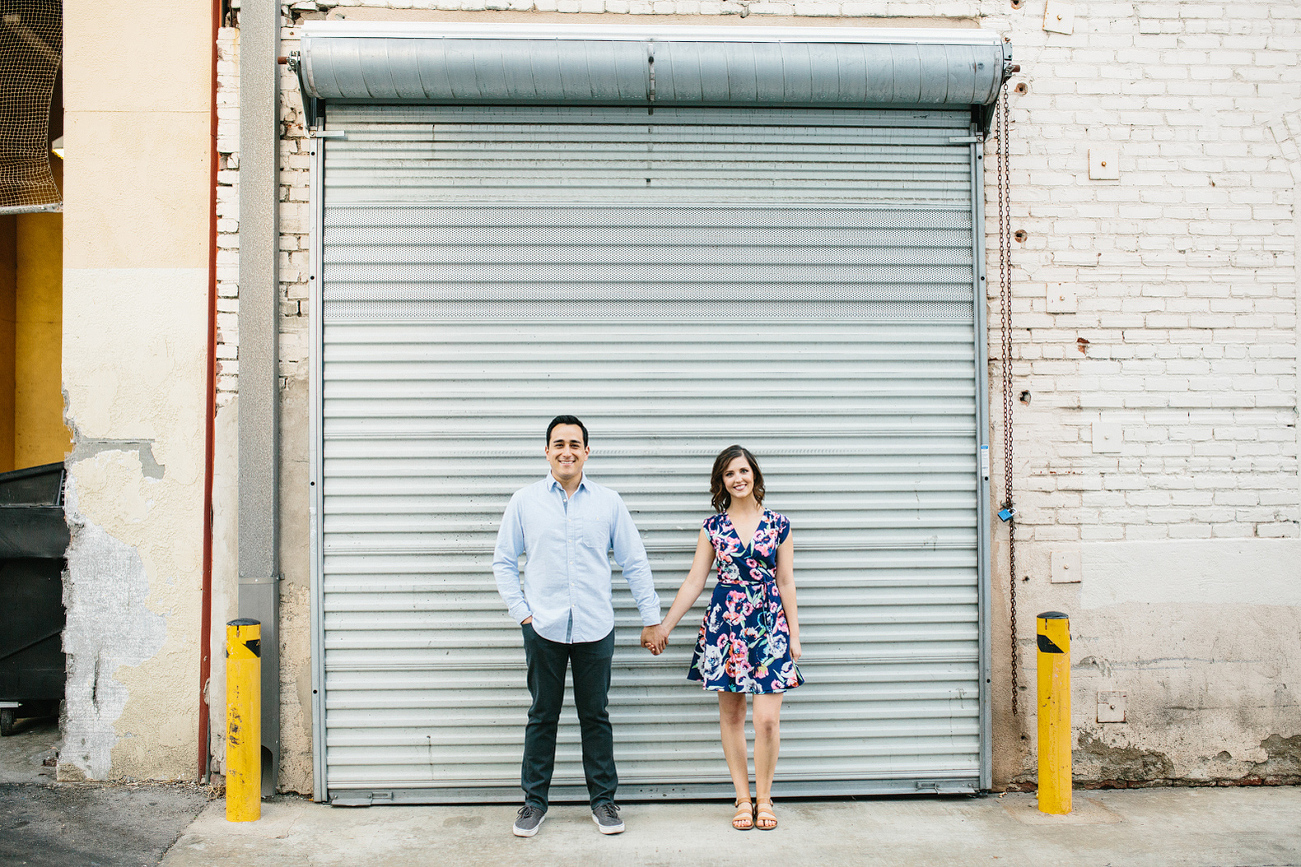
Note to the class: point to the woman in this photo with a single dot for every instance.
(749, 641)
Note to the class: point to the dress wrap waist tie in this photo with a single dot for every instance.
(768, 592)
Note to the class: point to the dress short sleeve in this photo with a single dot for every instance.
(783, 527)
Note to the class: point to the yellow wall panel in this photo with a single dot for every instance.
(40, 436)
(8, 299)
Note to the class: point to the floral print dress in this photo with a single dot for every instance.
(744, 642)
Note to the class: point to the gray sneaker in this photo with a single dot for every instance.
(529, 820)
(606, 817)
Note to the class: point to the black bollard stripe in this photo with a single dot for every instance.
(255, 647)
(1046, 645)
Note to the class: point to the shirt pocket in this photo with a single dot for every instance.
(595, 534)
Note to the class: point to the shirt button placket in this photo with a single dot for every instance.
(569, 545)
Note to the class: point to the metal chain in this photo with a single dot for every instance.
(1005, 310)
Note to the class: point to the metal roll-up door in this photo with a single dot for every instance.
(799, 281)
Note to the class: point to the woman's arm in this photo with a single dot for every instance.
(786, 586)
(689, 592)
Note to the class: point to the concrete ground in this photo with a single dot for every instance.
(1260, 827)
(30, 753)
(44, 824)
(82, 825)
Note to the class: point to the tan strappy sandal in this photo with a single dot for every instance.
(744, 818)
(764, 818)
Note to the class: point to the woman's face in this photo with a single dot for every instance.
(738, 479)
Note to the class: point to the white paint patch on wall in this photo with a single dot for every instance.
(1205, 572)
(134, 353)
(109, 626)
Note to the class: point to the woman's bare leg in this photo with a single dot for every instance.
(731, 725)
(767, 742)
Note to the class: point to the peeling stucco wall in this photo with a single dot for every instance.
(110, 627)
(135, 283)
(134, 385)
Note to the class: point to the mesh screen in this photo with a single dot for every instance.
(31, 48)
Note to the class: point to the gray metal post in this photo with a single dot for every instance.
(259, 391)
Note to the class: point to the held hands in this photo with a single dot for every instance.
(655, 638)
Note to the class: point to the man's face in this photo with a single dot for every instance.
(566, 452)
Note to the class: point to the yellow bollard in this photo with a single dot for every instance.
(1054, 630)
(243, 720)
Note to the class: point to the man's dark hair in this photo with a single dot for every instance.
(566, 419)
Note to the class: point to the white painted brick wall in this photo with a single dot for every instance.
(227, 215)
(1184, 272)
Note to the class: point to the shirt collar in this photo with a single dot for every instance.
(553, 484)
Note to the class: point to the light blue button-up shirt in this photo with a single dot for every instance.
(567, 587)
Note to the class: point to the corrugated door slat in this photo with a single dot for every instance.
(800, 282)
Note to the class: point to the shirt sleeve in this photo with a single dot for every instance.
(630, 554)
(505, 562)
(783, 528)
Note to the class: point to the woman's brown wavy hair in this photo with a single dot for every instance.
(718, 495)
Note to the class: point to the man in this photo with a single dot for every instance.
(567, 524)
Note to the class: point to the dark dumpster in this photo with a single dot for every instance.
(33, 541)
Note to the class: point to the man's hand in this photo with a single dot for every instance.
(528, 619)
(655, 638)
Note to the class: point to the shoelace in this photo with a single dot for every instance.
(608, 810)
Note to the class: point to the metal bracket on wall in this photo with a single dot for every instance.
(311, 105)
(361, 799)
(945, 787)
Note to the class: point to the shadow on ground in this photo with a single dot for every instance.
(94, 826)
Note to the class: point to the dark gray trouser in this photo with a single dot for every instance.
(546, 678)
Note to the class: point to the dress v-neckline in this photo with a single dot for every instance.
(747, 546)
